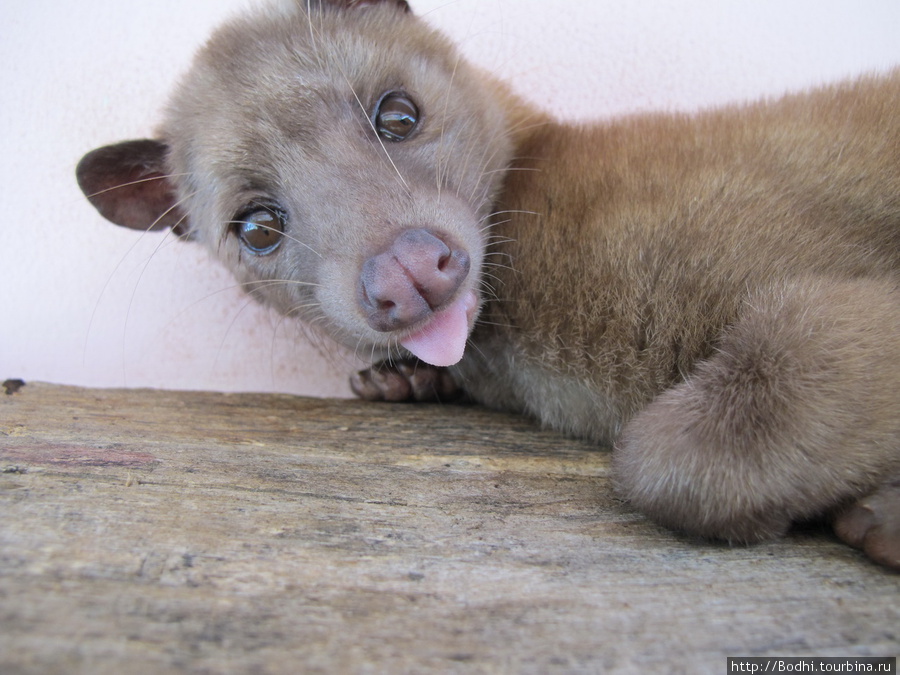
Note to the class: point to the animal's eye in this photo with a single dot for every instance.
(260, 228)
(396, 116)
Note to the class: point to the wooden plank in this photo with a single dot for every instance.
(160, 532)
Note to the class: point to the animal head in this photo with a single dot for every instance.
(340, 158)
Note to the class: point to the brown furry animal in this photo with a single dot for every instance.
(715, 294)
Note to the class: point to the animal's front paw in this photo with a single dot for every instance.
(873, 524)
(400, 381)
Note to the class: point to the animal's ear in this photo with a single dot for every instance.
(128, 185)
(351, 4)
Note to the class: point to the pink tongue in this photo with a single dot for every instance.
(443, 339)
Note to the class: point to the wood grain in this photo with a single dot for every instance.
(160, 532)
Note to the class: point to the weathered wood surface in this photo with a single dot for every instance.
(169, 532)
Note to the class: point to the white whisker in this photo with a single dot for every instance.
(112, 274)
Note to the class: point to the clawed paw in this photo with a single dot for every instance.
(873, 525)
(400, 381)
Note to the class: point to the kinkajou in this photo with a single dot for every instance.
(715, 295)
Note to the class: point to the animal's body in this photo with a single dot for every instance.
(717, 295)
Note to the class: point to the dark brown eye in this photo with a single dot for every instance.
(396, 116)
(260, 229)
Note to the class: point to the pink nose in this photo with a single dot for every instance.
(405, 284)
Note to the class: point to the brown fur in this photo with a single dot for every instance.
(716, 294)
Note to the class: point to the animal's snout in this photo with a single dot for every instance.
(418, 273)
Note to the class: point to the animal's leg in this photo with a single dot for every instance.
(406, 380)
(795, 415)
(873, 524)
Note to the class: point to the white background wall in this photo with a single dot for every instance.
(87, 303)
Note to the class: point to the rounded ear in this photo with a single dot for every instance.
(128, 184)
(351, 4)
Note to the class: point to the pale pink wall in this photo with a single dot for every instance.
(83, 302)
